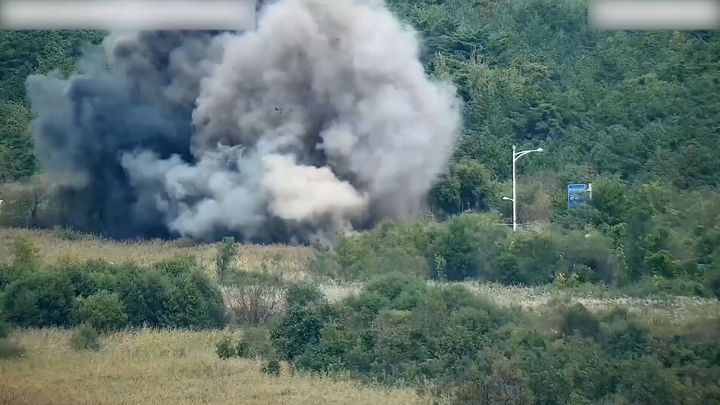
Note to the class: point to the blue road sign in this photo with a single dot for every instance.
(576, 194)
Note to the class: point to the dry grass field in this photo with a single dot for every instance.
(163, 367)
(291, 261)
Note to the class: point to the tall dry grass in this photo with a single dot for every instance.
(163, 367)
(290, 261)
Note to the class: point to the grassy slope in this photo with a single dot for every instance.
(163, 367)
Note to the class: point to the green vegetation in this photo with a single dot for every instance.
(225, 256)
(634, 113)
(670, 244)
(85, 337)
(172, 293)
(9, 349)
(25, 53)
(401, 331)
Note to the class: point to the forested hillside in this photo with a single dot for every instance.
(23, 53)
(643, 105)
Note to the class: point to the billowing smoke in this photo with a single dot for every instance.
(322, 118)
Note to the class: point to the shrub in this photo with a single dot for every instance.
(578, 320)
(646, 381)
(303, 294)
(712, 282)
(225, 255)
(172, 293)
(589, 255)
(255, 342)
(465, 246)
(224, 348)
(243, 349)
(85, 337)
(177, 266)
(389, 247)
(402, 291)
(104, 311)
(10, 349)
(299, 329)
(4, 329)
(661, 263)
(27, 255)
(271, 367)
(530, 258)
(505, 383)
(39, 299)
(253, 298)
(146, 295)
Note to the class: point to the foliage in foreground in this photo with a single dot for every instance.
(401, 331)
(172, 293)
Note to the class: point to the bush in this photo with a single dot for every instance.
(578, 320)
(303, 294)
(530, 258)
(465, 246)
(402, 291)
(195, 302)
(27, 255)
(224, 348)
(104, 311)
(271, 367)
(225, 256)
(389, 247)
(253, 298)
(85, 337)
(172, 293)
(299, 329)
(242, 349)
(712, 282)
(661, 263)
(39, 299)
(255, 342)
(4, 329)
(9, 349)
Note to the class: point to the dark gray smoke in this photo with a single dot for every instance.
(320, 119)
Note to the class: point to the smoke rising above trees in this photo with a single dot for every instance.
(320, 119)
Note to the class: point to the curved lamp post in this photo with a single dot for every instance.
(515, 157)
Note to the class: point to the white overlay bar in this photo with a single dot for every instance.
(655, 15)
(128, 14)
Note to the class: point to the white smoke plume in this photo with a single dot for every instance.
(320, 119)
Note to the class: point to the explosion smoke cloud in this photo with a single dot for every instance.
(320, 119)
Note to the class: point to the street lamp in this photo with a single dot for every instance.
(516, 156)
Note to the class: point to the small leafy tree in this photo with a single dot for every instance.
(224, 348)
(26, 254)
(225, 255)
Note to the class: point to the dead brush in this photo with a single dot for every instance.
(253, 304)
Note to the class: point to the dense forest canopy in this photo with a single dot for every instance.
(643, 105)
(640, 107)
